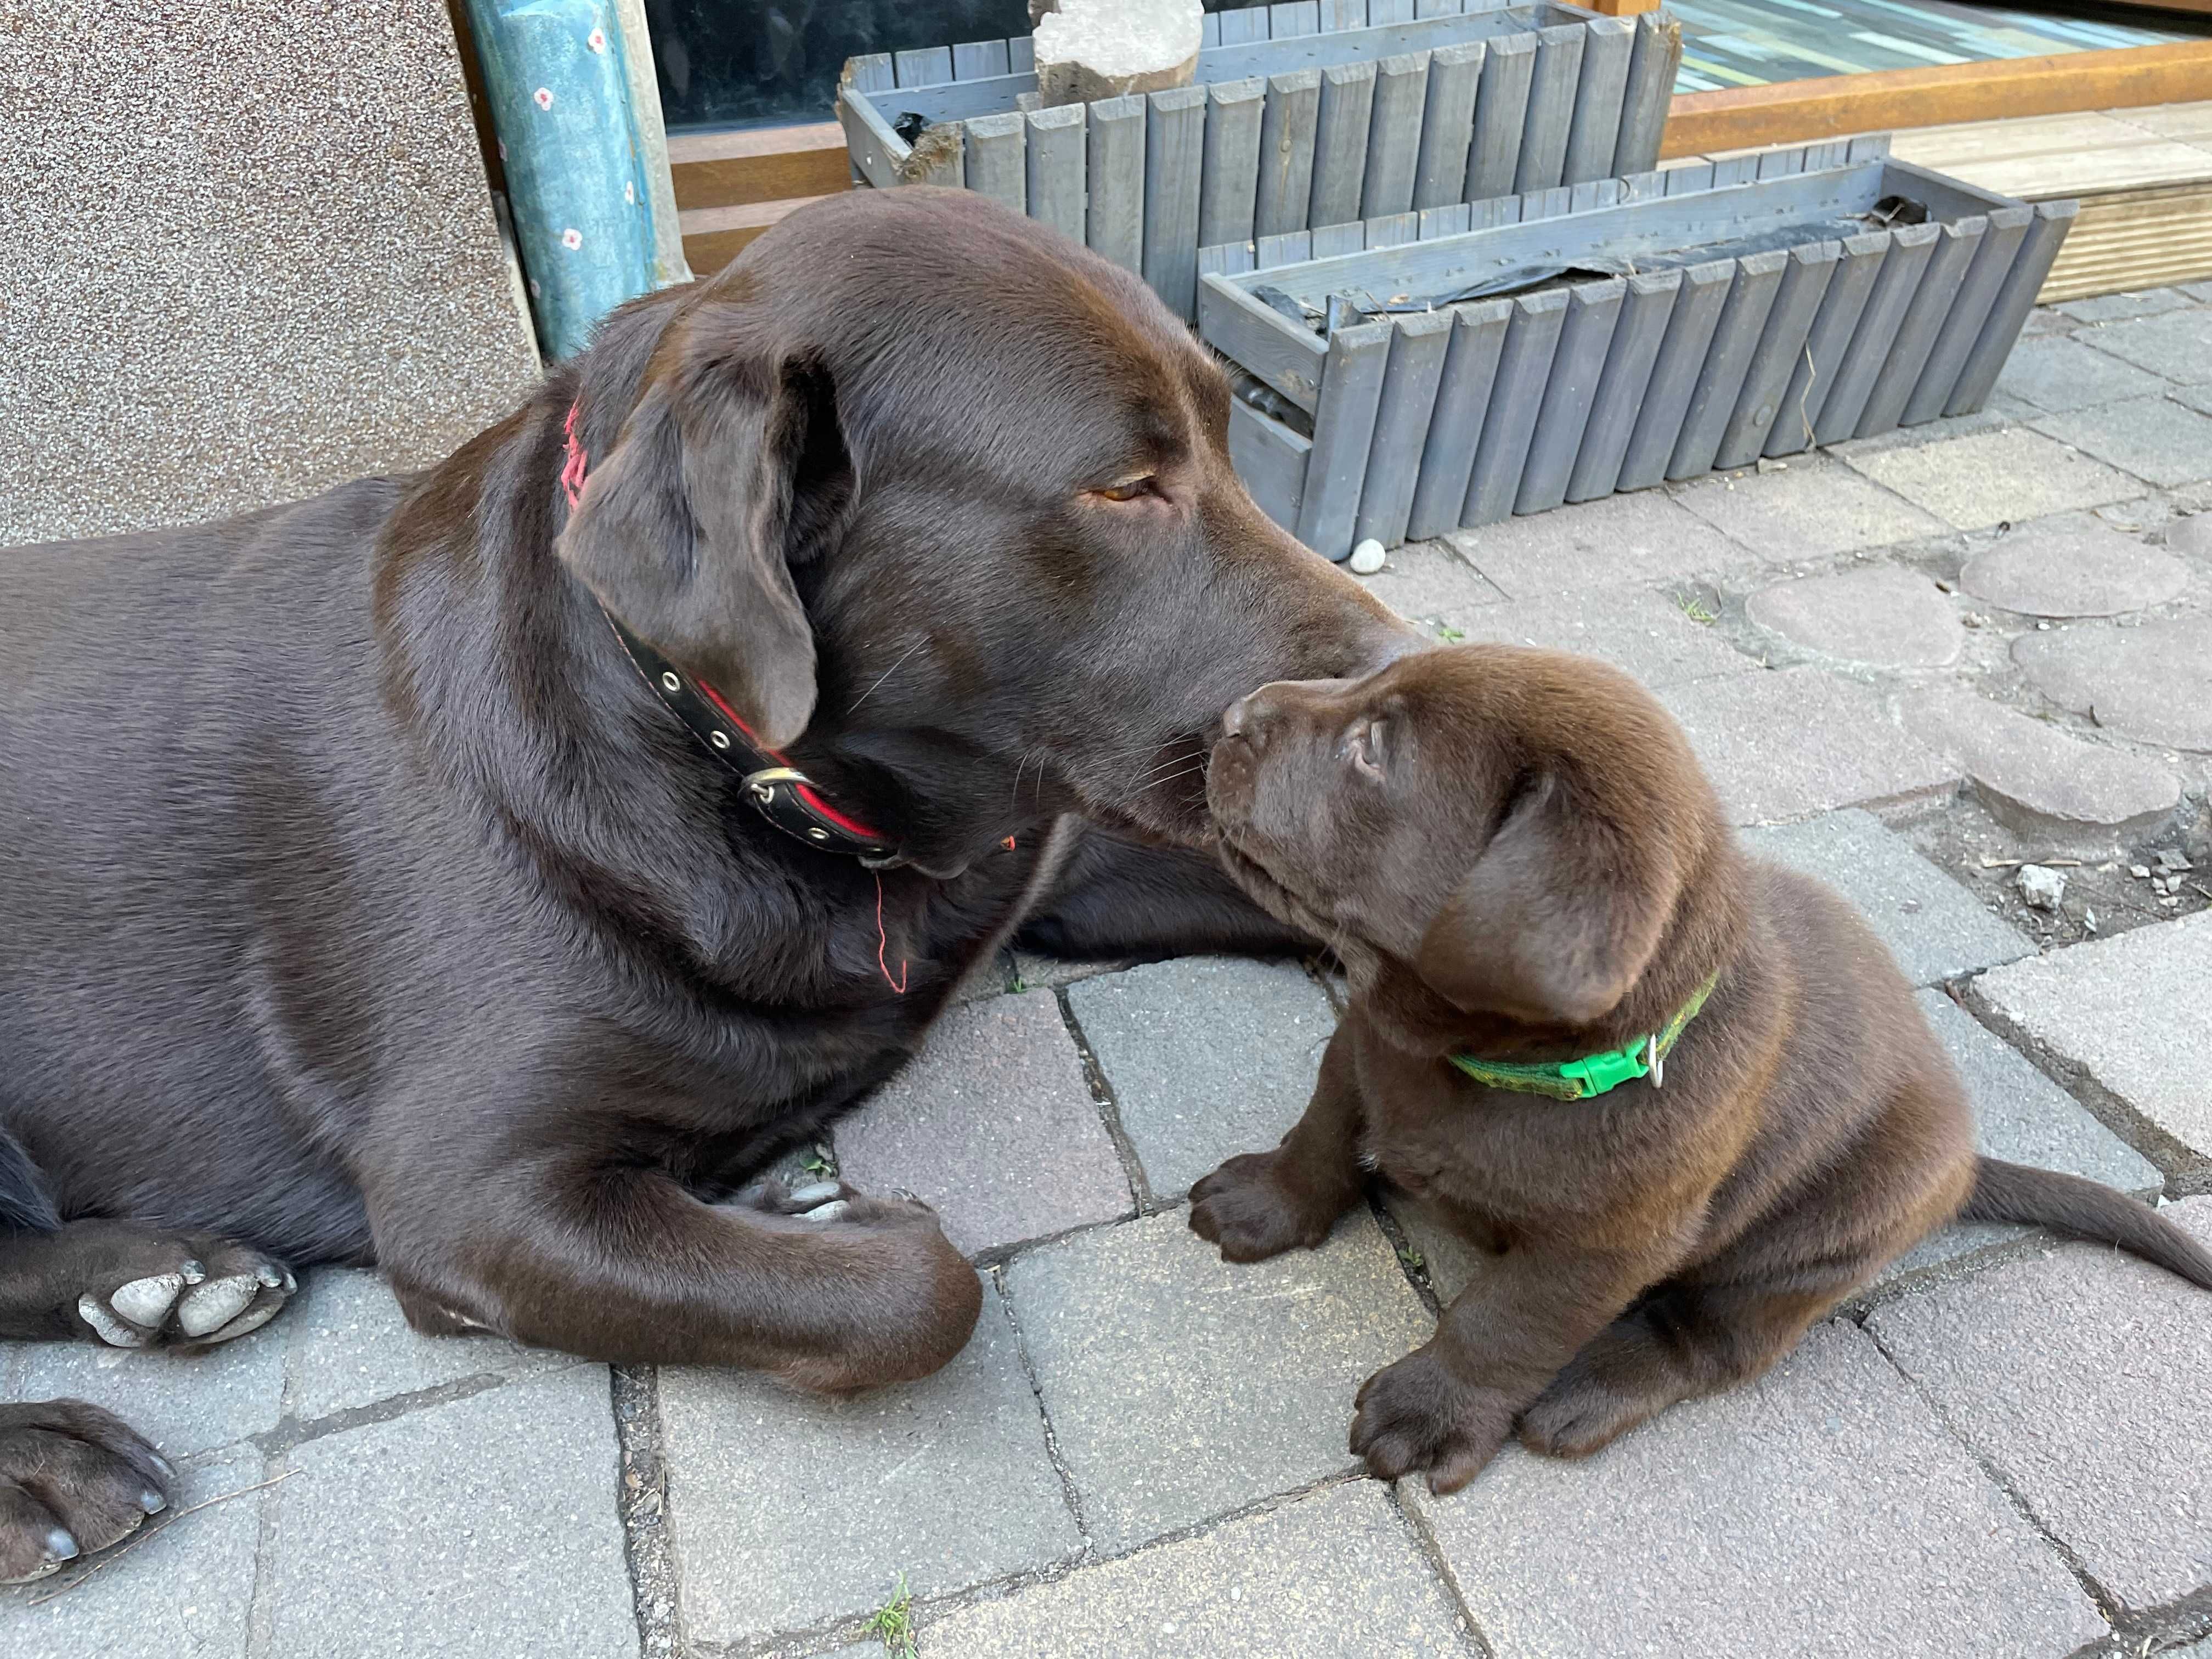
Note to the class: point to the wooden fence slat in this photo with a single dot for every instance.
(1781, 347)
(1470, 370)
(874, 147)
(1815, 372)
(1523, 366)
(1175, 154)
(872, 72)
(1712, 399)
(1113, 224)
(1418, 346)
(1394, 134)
(1551, 107)
(1585, 340)
(1057, 186)
(1449, 220)
(1940, 284)
(1652, 69)
(1637, 337)
(1501, 108)
(925, 66)
(1293, 18)
(1269, 349)
(1291, 247)
(979, 58)
(1270, 460)
(1347, 104)
(1593, 135)
(997, 162)
(1209, 30)
(1380, 14)
(1230, 179)
(1331, 240)
(1447, 124)
(2000, 247)
(1394, 229)
(1894, 285)
(1344, 432)
(1246, 24)
(1337, 15)
(1286, 152)
(2009, 311)
(1675, 375)
(1021, 56)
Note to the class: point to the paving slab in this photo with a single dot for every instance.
(2116, 307)
(1642, 538)
(2059, 373)
(2160, 441)
(1182, 1387)
(1996, 477)
(1431, 587)
(482, 1528)
(2198, 397)
(184, 1403)
(1642, 631)
(2073, 565)
(2131, 1011)
(1999, 412)
(1207, 1057)
(1935, 927)
(1882, 615)
(2177, 344)
(992, 1123)
(2068, 795)
(1823, 1511)
(1814, 506)
(191, 1593)
(1334, 1576)
(790, 1510)
(2080, 1376)
(352, 1346)
(2153, 682)
(2191, 534)
(1789, 743)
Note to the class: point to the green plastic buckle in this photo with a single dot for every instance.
(1610, 1069)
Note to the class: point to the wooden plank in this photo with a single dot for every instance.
(872, 72)
(1380, 13)
(1175, 154)
(978, 59)
(1269, 347)
(1551, 107)
(2000, 245)
(1523, 366)
(1021, 56)
(1435, 7)
(1917, 334)
(1339, 14)
(1330, 240)
(2014, 297)
(1418, 347)
(1643, 105)
(1623, 7)
(1735, 338)
(1833, 327)
(1781, 347)
(1585, 341)
(1648, 302)
(873, 147)
(925, 66)
(1245, 24)
(1394, 134)
(997, 159)
(1057, 141)
(728, 169)
(1293, 18)
(2146, 238)
(1209, 30)
(1291, 247)
(1501, 109)
(1344, 432)
(1600, 95)
(1449, 220)
(1393, 229)
(1792, 112)
(1270, 460)
(1674, 374)
(1347, 104)
(1909, 246)
(714, 236)
(1447, 124)
(1229, 181)
(1114, 167)
(1469, 372)
(1286, 152)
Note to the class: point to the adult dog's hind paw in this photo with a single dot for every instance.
(132, 1286)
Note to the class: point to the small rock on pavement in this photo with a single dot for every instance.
(2153, 682)
(2074, 565)
(2039, 886)
(1881, 615)
(1367, 557)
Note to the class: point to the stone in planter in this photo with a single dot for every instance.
(1093, 49)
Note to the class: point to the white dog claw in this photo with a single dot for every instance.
(147, 1301)
(252, 1320)
(110, 1329)
(829, 1212)
(820, 1192)
(211, 1306)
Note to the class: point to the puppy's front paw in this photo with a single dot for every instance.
(1415, 1415)
(1246, 1208)
(73, 1479)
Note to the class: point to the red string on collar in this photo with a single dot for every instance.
(572, 468)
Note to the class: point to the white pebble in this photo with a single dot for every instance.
(1367, 557)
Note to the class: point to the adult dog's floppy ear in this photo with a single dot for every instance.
(725, 473)
(1558, 918)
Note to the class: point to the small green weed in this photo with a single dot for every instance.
(1412, 1257)
(893, 1624)
(1450, 634)
(1694, 608)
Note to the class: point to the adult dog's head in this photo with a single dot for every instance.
(943, 502)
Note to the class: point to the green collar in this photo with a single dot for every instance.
(1593, 1074)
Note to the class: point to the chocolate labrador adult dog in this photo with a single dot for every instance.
(484, 873)
(1683, 1096)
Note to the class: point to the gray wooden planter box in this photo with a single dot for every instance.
(1358, 108)
(1752, 320)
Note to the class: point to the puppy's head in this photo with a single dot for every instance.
(1518, 831)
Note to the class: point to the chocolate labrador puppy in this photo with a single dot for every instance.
(1683, 1096)
(483, 873)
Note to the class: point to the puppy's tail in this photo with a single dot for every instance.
(2015, 1192)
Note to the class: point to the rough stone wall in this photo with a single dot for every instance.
(247, 253)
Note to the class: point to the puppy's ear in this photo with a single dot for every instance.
(1558, 918)
(726, 474)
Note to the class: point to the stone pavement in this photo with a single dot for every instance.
(1911, 664)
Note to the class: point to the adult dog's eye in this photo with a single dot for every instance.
(1363, 747)
(1129, 488)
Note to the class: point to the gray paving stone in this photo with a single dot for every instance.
(1431, 587)
(1882, 615)
(790, 1510)
(1789, 742)
(1336, 1576)
(485, 1527)
(1643, 538)
(1181, 1387)
(1813, 507)
(352, 1346)
(2198, 397)
(2157, 439)
(1449, 1261)
(2191, 534)
(170, 1597)
(2073, 565)
(2153, 682)
(994, 1124)
(1642, 632)
(2059, 373)
(2200, 292)
(2069, 795)
(184, 1404)
(1822, 1511)
(2080, 1376)
(2131, 1011)
(1207, 1057)
(1998, 413)
(2178, 344)
(1996, 477)
(2117, 308)
(1935, 928)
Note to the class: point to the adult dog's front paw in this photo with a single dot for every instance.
(1415, 1415)
(73, 1479)
(1247, 1209)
